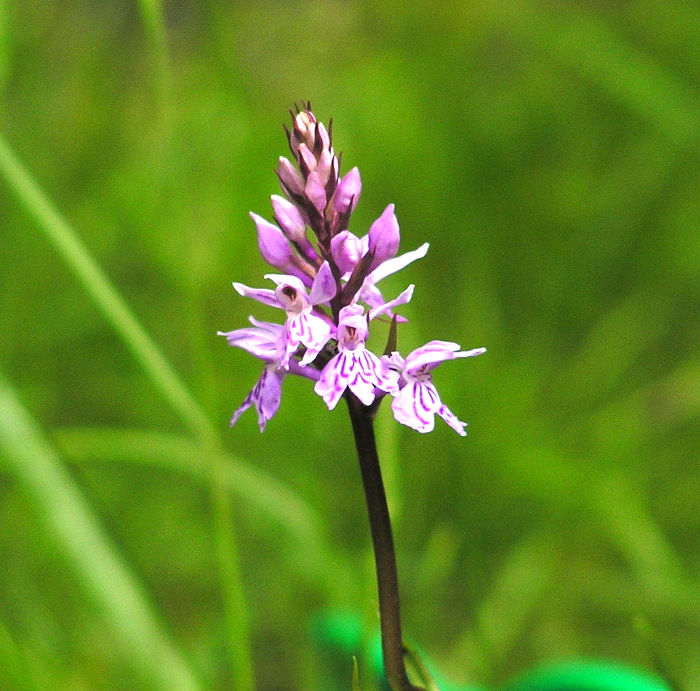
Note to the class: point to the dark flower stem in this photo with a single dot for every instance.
(383, 543)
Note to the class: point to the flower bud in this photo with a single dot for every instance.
(324, 137)
(316, 192)
(347, 250)
(289, 218)
(324, 165)
(274, 247)
(348, 191)
(304, 130)
(291, 180)
(384, 236)
(307, 161)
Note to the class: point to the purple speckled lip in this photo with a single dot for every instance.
(354, 367)
(328, 291)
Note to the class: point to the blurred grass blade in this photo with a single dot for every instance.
(355, 675)
(607, 59)
(637, 535)
(103, 292)
(4, 45)
(154, 25)
(248, 483)
(77, 533)
(147, 353)
(515, 595)
(15, 670)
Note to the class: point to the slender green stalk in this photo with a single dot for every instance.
(156, 366)
(77, 533)
(383, 544)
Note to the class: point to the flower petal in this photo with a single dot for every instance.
(255, 341)
(448, 416)
(334, 379)
(264, 295)
(265, 395)
(402, 299)
(307, 329)
(324, 287)
(415, 408)
(391, 266)
(435, 352)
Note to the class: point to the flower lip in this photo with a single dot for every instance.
(265, 396)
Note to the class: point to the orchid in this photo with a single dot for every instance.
(264, 341)
(327, 287)
(354, 367)
(327, 280)
(302, 327)
(418, 401)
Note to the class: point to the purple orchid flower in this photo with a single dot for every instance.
(262, 340)
(324, 273)
(265, 341)
(354, 366)
(418, 400)
(383, 240)
(302, 327)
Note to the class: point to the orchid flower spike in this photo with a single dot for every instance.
(327, 287)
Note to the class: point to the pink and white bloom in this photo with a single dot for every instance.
(303, 326)
(354, 367)
(383, 240)
(418, 400)
(262, 340)
(326, 283)
(265, 396)
(265, 341)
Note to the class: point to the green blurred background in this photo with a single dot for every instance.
(548, 151)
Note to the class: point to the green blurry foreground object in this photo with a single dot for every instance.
(587, 676)
(339, 637)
